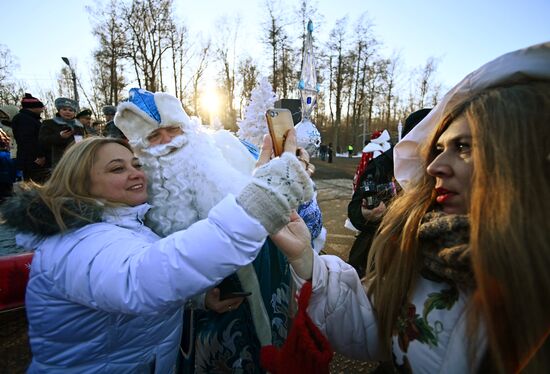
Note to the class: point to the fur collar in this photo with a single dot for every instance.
(444, 239)
(27, 213)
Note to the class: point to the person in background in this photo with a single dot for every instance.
(323, 152)
(7, 112)
(378, 144)
(104, 284)
(458, 279)
(7, 166)
(350, 151)
(110, 129)
(31, 157)
(330, 152)
(85, 119)
(364, 217)
(98, 127)
(57, 133)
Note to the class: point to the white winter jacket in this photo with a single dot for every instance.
(431, 343)
(118, 288)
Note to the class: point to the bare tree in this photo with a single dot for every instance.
(65, 83)
(274, 34)
(226, 57)
(365, 47)
(148, 25)
(180, 52)
(7, 63)
(330, 89)
(337, 44)
(198, 75)
(248, 76)
(374, 86)
(436, 92)
(107, 72)
(389, 79)
(285, 72)
(425, 81)
(10, 91)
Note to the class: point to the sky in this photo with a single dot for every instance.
(461, 34)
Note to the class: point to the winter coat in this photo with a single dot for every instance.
(107, 297)
(431, 338)
(53, 142)
(381, 171)
(26, 127)
(111, 131)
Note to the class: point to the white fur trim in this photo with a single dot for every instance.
(171, 111)
(234, 151)
(372, 147)
(383, 138)
(136, 124)
(133, 122)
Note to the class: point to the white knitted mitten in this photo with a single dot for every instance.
(277, 187)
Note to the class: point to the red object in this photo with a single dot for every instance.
(14, 275)
(306, 349)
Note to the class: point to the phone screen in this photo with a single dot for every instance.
(279, 121)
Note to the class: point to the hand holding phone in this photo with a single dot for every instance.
(279, 121)
(230, 289)
(66, 131)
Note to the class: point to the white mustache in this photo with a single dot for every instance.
(164, 149)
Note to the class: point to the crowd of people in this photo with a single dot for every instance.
(134, 232)
(36, 145)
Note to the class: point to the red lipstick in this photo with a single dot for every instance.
(442, 195)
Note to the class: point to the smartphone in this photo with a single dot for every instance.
(229, 289)
(279, 121)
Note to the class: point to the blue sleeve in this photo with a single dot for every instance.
(311, 214)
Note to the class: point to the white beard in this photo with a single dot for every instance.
(187, 177)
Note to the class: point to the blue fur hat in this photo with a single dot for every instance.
(64, 102)
(146, 111)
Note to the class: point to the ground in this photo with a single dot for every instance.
(334, 186)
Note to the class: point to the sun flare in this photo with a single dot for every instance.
(210, 102)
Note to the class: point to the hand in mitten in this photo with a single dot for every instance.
(277, 187)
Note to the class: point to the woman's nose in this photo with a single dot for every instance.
(137, 173)
(439, 167)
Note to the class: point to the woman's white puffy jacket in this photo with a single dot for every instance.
(339, 306)
(119, 288)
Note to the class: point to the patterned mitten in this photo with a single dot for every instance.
(278, 187)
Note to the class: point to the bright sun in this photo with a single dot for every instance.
(210, 102)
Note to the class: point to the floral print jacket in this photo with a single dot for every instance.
(431, 332)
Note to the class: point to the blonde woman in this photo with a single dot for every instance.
(105, 293)
(458, 275)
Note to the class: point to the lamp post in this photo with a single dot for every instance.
(73, 74)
